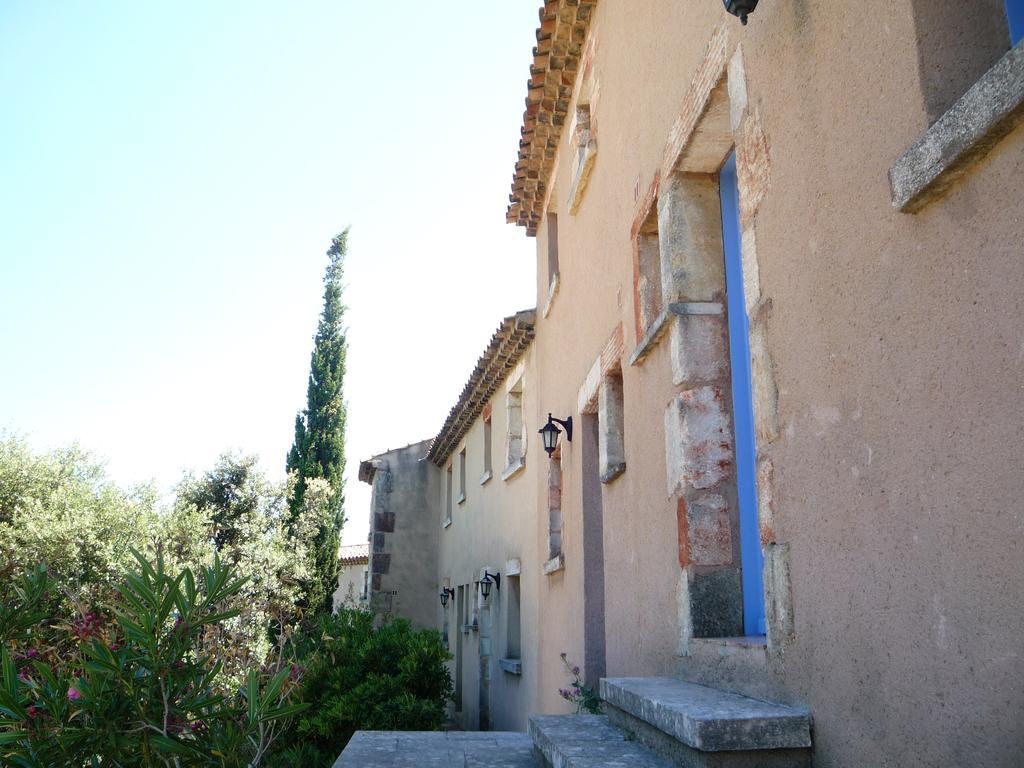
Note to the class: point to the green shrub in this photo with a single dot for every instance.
(137, 683)
(364, 677)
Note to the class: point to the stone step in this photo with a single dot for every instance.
(703, 718)
(588, 741)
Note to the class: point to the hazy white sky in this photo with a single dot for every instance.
(171, 175)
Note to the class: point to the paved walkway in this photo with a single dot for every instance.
(452, 749)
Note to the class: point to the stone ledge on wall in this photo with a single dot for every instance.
(512, 666)
(555, 564)
(990, 109)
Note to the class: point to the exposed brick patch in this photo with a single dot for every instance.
(380, 563)
(378, 542)
(485, 414)
(683, 526)
(609, 361)
(384, 522)
(611, 355)
(556, 60)
(695, 103)
(375, 581)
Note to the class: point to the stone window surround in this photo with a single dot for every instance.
(715, 117)
(488, 450)
(461, 498)
(512, 664)
(962, 137)
(515, 389)
(601, 394)
(448, 491)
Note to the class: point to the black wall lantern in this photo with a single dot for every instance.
(486, 582)
(549, 432)
(740, 8)
(445, 594)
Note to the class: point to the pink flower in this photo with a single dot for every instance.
(74, 694)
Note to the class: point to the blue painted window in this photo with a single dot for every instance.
(1015, 19)
(743, 404)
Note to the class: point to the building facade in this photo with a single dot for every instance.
(403, 534)
(779, 293)
(353, 589)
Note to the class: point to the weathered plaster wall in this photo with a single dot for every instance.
(896, 349)
(403, 535)
(350, 586)
(493, 526)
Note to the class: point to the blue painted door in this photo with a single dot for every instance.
(742, 404)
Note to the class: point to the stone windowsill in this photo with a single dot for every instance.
(613, 472)
(990, 109)
(512, 666)
(650, 339)
(555, 564)
(486, 476)
(513, 469)
(657, 329)
(552, 292)
(461, 499)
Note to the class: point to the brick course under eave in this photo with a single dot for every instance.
(556, 60)
(507, 345)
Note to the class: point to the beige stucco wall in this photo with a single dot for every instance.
(493, 525)
(898, 359)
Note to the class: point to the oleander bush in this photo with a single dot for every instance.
(137, 680)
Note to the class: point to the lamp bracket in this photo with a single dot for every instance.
(566, 425)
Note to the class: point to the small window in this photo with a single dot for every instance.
(515, 437)
(513, 641)
(552, 247)
(647, 273)
(462, 476)
(555, 504)
(959, 42)
(448, 497)
(488, 442)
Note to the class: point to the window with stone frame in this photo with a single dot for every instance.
(552, 241)
(488, 444)
(513, 625)
(647, 271)
(554, 504)
(448, 496)
(515, 430)
(462, 477)
(969, 64)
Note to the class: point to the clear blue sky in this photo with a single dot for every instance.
(170, 177)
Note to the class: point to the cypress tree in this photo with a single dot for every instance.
(319, 447)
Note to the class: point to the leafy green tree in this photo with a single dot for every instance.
(319, 447)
